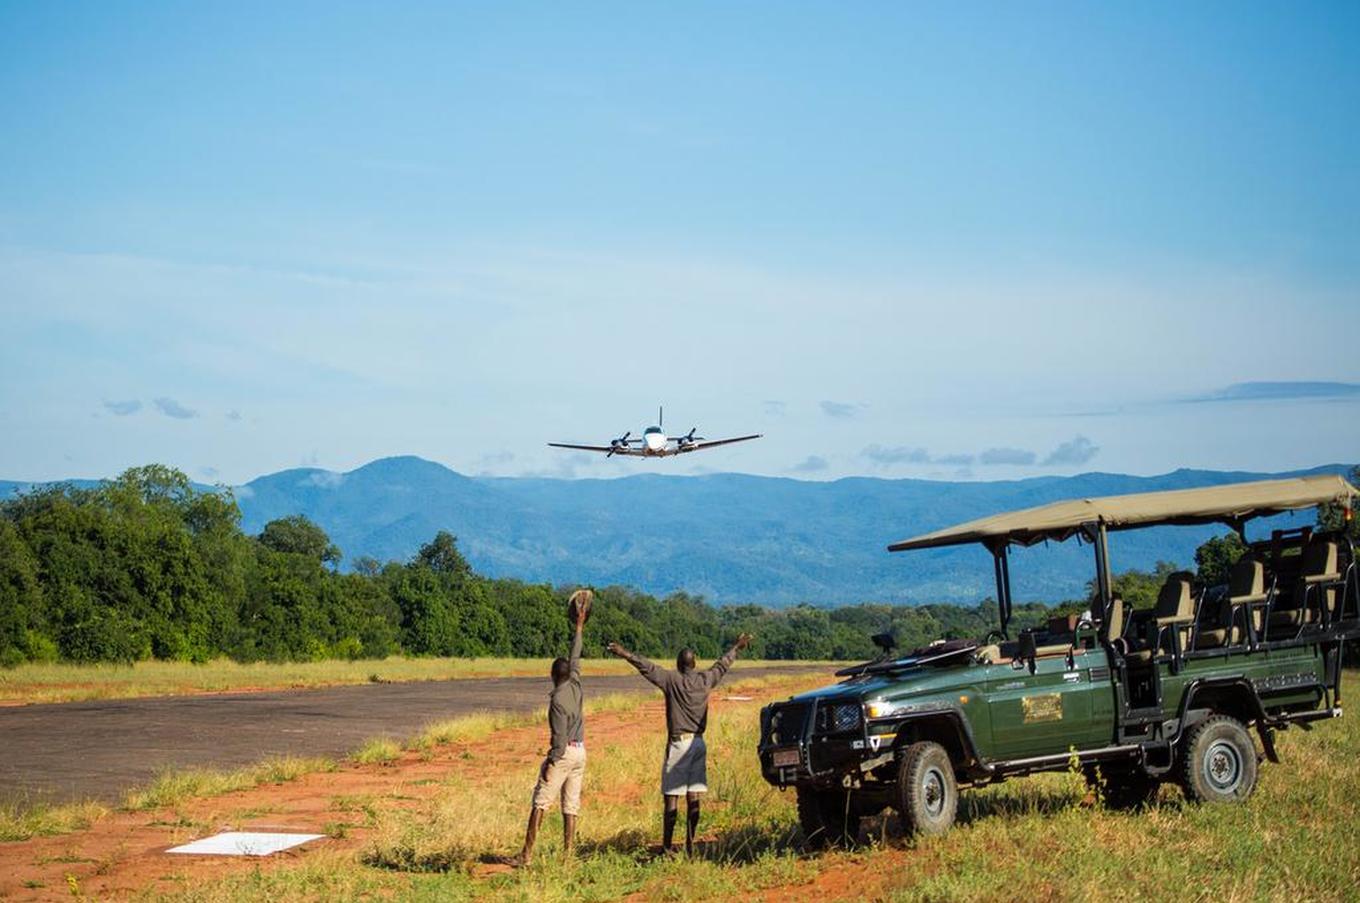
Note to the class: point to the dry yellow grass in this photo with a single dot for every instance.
(33, 683)
(175, 786)
(19, 821)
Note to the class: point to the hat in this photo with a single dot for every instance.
(579, 600)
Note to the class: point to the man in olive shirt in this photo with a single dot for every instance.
(685, 769)
(564, 769)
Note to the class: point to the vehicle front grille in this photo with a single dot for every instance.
(787, 723)
(838, 717)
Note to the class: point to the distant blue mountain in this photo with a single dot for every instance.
(730, 537)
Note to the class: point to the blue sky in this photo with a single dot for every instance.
(948, 241)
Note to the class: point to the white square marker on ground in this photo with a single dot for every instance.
(243, 843)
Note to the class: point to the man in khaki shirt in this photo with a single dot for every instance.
(564, 769)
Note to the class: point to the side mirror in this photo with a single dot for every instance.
(1025, 650)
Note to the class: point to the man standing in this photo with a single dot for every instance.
(685, 770)
(564, 768)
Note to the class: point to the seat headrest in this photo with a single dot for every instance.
(1174, 599)
(1247, 577)
(1319, 557)
(1115, 618)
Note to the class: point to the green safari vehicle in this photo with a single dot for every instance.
(1134, 698)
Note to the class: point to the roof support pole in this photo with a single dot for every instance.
(1001, 565)
(1006, 579)
(1104, 585)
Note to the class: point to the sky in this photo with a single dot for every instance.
(945, 241)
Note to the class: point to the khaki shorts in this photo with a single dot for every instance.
(563, 780)
(686, 766)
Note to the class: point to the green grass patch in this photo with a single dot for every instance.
(379, 750)
(22, 822)
(176, 786)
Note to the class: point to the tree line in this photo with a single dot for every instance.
(147, 566)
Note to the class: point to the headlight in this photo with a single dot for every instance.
(883, 708)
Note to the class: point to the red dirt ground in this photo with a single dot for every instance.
(124, 853)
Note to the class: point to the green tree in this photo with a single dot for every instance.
(21, 599)
(1339, 517)
(441, 555)
(428, 624)
(1216, 557)
(298, 535)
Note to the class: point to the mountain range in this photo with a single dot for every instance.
(732, 538)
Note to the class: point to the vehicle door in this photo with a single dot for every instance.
(1065, 702)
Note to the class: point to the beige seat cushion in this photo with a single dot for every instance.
(1247, 582)
(1116, 618)
(1175, 604)
(1212, 639)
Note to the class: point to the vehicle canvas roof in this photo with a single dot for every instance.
(1233, 504)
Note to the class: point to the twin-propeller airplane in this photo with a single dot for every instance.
(654, 443)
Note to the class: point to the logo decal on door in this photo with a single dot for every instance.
(1046, 707)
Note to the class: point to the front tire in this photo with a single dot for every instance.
(828, 818)
(1219, 762)
(927, 793)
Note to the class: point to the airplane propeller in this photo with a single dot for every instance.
(616, 444)
(689, 438)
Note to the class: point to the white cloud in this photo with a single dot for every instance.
(1017, 457)
(123, 408)
(1075, 451)
(811, 464)
(841, 410)
(171, 408)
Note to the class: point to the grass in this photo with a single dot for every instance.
(19, 821)
(1040, 838)
(379, 750)
(480, 725)
(34, 683)
(175, 786)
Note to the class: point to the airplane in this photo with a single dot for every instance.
(654, 443)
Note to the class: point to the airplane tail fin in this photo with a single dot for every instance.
(660, 419)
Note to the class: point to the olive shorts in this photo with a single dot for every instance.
(562, 780)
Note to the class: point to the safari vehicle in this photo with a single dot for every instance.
(1134, 698)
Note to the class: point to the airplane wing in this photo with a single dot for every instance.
(711, 443)
(620, 450)
(598, 448)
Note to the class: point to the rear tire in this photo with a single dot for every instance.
(927, 793)
(1219, 762)
(828, 818)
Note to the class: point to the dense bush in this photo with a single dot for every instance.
(147, 566)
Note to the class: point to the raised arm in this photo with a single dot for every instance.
(719, 668)
(650, 672)
(576, 644)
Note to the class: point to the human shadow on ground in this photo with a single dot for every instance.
(738, 845)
